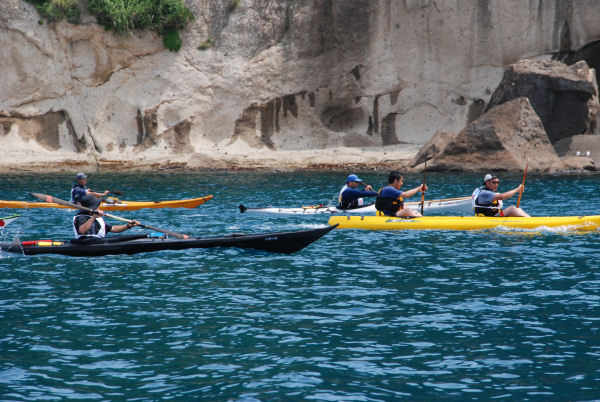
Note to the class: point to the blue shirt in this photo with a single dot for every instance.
(486, 197)
(391, 193)
(350, 195)
(77, 193)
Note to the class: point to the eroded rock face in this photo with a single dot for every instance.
(434, 147)
(281, 78)
(564, 97)
(507, 137)
(52, 131)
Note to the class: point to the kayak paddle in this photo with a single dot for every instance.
(422, 190)
(116, 192)
(49, 198)
(522, 184)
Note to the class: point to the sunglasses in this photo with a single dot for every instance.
(495, 182)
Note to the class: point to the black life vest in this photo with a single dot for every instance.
(489, 209)
(353, 204)
(388, 204)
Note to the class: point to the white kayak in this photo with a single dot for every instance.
(460, 205)
(7, 219)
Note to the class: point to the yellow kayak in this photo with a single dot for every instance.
(115, 205)
(591, 222)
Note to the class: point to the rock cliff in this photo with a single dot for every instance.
(283, 84)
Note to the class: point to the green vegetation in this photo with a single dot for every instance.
(166, 17)
(48, 9)
(172, 41)
(207, 44)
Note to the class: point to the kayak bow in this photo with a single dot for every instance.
(278, 242)
(7, 219)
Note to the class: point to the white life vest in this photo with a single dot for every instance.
(496, 205)
(101, 233)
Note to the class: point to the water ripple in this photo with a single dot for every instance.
(366, 316)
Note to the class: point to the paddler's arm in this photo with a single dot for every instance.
(122, 228)
(509, 193)
(98, 195)
(88, 224)
(410, 193)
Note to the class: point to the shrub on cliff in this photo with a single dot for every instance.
(55, 10)
(166, 17)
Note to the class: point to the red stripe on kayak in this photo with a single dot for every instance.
(31, 242)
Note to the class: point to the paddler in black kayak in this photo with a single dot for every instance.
(390, 200)
(91, 224)
(350, 196)
(487, 201)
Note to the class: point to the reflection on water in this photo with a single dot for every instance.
(358, 315)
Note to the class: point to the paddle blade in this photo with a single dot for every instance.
(42, 197)
(116, 192)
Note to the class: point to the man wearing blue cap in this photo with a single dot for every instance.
(350, 196)
(79, 189)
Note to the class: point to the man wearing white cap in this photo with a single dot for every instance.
(79, 189)
(487, 201)
(350, 196)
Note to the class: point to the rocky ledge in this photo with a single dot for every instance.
(542, 115)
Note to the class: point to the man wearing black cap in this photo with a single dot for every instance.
(487, 201)
(91, 224)
(79, 190)
(350, 197)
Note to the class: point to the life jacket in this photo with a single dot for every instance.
(388, 204)
(91, 233)
(358, 202)
(492, 209)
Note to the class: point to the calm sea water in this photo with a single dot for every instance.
(356, 316)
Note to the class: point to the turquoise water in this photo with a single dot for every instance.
(358, 315)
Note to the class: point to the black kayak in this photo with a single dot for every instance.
(279, 242)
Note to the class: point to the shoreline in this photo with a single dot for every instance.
(393, 157)
(372, 158)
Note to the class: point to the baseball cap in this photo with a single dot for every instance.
(80, 176)
(353, 177)
(489, 177)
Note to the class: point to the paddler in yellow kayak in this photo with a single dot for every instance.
(79, 189)
(390, 200)
(487, 201)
